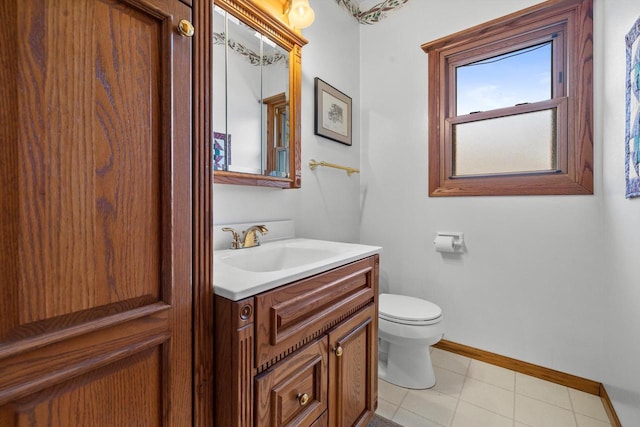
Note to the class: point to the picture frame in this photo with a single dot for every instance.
(221, 151)
(632, 116)
(332, 113)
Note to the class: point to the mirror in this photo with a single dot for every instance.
(256, 97)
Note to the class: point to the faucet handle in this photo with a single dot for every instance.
(235, 244)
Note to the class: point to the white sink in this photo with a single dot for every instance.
(241, 273)
(272, 257)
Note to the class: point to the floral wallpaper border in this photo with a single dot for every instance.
(373, 15)
(251, 56)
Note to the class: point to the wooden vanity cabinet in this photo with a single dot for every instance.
(303, 354)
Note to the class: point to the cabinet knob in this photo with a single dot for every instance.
(338, 351)
(303, 399)
(185, 28)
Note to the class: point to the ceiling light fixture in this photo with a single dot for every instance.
(300, 13)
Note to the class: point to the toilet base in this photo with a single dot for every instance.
(408, 367)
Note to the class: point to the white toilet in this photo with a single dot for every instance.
(407, 326)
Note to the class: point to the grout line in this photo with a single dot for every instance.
(489, 410)
(515, 394)
(547, 374)
(421, 416)
(573, 410)
(544, 401)
(458, 399)
(391, 403)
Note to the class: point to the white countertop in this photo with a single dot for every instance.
(298, 258)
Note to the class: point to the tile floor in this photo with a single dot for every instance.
(470, 393)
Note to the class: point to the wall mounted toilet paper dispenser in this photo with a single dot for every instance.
(449, 242)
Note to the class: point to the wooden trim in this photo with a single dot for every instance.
(52, 335)
(202, 187)
(498, 24)
(239, 178)
(256, 15)
(234, 355)
(608, 408)
(562, 378)
(39, 368)
(568, 380)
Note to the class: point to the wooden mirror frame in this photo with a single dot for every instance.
(266, 23)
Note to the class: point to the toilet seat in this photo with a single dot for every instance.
(407, 310)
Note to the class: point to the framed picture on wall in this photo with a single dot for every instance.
(221, 151)
(632, 119)
(332, 113)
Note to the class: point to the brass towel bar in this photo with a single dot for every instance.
(314, 164)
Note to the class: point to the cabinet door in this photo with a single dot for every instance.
(95, 218)
(353, 369)
(294, 391)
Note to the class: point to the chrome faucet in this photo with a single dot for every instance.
(250, 236)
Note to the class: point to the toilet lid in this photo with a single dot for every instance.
(409, 310)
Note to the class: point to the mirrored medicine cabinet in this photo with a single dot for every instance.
(256, 97)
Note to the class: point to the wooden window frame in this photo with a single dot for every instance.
(572, 20)
(275, 129)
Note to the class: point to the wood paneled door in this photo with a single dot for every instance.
(95, 217)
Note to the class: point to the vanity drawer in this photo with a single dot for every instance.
(322, 421)
(292, 315)
(294, 392)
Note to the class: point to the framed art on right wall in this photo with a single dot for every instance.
(632, 119)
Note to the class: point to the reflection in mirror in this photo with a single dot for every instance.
(221, 141)
(275, 102)
(277, 138)
(243, 77)
(237, 95)
(255, 132)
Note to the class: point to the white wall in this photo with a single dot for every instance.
(327, 206)
(621, 371)
(531, 280)
(549, 280)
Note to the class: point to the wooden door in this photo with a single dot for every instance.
(353, 364)
(95, 218)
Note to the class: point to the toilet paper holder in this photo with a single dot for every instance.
(449, 241)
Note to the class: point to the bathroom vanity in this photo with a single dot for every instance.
(300, 353)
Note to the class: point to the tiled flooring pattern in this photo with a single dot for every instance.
(470, 393)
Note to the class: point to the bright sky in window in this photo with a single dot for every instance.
(506, 80)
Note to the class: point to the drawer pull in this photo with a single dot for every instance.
(303, 399)
(338, 351)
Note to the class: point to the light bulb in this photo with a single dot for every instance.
(300, 14)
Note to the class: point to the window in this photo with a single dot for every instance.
(277, 139)
(510, 105)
